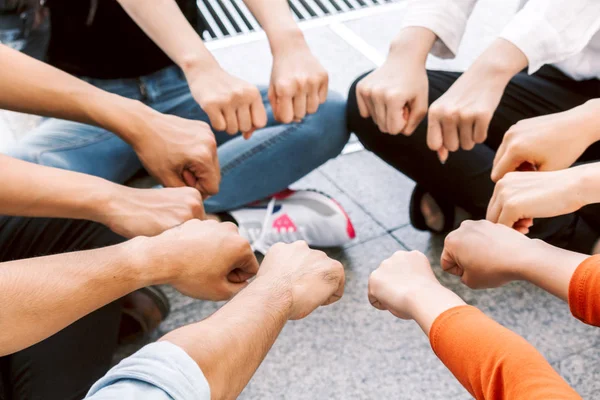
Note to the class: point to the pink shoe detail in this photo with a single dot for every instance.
(285, 224)
(349, 227)
(284, 194)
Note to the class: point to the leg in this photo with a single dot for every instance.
(78, 147)
(275, 156)
(65, 365)
(465, 179)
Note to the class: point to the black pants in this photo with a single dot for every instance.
(64, 366)
(465, 178)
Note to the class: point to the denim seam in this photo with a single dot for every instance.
(101, 138)
(255, 150)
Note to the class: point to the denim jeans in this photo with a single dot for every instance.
(271, 160)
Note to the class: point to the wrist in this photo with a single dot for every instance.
(147, 268)
(412, 43)
(500, 62)
(589, 119)
(430, 302)
(585, 185)
(276, 293)
(286, 39)
(127, 119)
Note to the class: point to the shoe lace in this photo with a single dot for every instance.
(260, 244)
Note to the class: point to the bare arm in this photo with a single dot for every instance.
(40, 296)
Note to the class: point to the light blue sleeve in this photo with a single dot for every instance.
(159, 371)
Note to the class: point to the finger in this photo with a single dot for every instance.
(273, 101)
(376, 303)
(300, 105)
(217, 119)
(448, 263)
(312, 102)
(418, 111)
(494, 207)
(285, 106)
(339, 292)
(239, 276)
(507, 217)
(465, 132)
(396, 117)
(324, 89)
(258, 114)
(244, 119)
(380, 110)
(480, 130)
(450, 134)
(443, 155)
(231, 120)
(435, 140)
(362, 105)
(189, 178)
(234, 288)
(249, 264)
(507, 163)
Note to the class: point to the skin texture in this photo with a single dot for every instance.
(460, 118)
(177, 152)
(293, 281)
(298, 81)
(32, 190)
(395, 95)
(487, 255)
(42, 295)
(545, 143)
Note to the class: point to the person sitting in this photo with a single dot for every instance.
(469, 113)
(267, 138)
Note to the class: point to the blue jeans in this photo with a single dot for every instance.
(270, 161)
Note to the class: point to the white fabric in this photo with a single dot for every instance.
(565, 33)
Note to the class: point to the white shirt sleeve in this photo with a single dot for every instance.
(550, 31)
(446, 18)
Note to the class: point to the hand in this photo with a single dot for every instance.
(232, 104)
(178, 152)
(310, 277)
(394, 284)
(148, 212)
(487, 255)
(206, 260)
(522, 196)
(299, 83)
(395, 95)
(461, 117)
(548, 143)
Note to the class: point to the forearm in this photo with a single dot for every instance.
(40, 296)
(30, 86)
(412, 43)
(230, 345)
(501, 60)
(276, 20)
(31, 190)
(166, 25)
(492, 362)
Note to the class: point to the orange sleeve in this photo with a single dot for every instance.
(584, 291)
(492, 362)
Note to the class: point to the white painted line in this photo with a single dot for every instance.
(306, 25)
(248, 14)
(235, 15)
(358, 43)
(352, 148)
(209, 19)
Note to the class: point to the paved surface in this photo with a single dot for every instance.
(350, 350)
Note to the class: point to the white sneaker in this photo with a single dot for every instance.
(295, 215)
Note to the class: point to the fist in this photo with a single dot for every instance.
(487, 255)
(310, 277)
(149, 212)
(206, 260)
(392, 286)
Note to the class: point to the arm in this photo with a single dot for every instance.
(231, 104)
(490, 361)
(299, 83)
(29, 86)
(40, 296)
(31, 190)
(229, 346)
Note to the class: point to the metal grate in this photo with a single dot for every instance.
(226, 18)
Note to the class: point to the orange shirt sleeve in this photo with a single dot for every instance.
(492, 362)
(584, 291)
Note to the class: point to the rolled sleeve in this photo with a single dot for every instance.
(446, 18)
(550, 31)
(159, 371)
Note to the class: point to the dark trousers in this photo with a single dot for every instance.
(465, 178)
(64, 366)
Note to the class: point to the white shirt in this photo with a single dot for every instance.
(565, 33)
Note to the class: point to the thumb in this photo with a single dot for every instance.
(449, 264)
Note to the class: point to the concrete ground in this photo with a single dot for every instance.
(350, 350)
